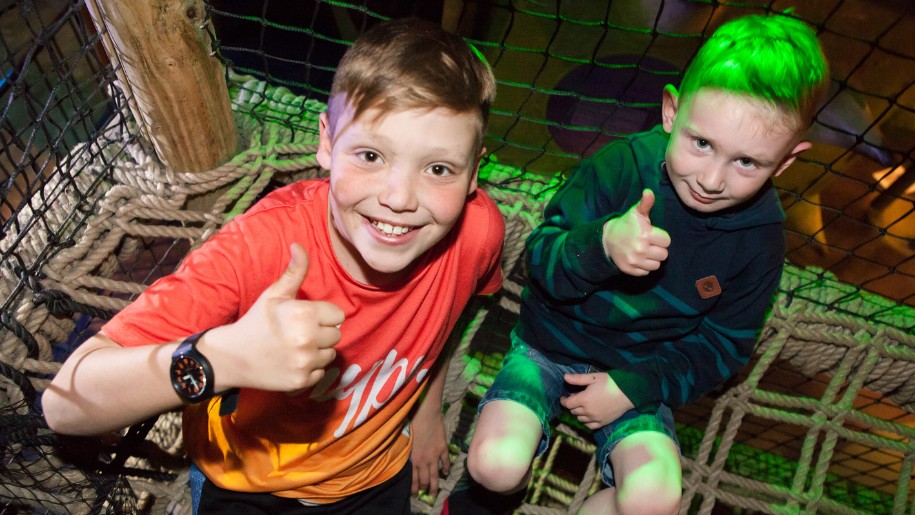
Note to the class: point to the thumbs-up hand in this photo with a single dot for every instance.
(634, 245)
(281, 343)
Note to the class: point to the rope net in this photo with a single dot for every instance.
(820, 421)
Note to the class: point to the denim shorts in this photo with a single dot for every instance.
(531, 379)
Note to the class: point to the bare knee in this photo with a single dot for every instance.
(649, 479)
(497, 465)
(653, 498)
(503, 446)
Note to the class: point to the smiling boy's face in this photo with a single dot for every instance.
(724, 148)
(398, 184)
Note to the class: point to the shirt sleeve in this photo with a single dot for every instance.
(681, 371)
(205, 291)
(493, 227)
(565, 254)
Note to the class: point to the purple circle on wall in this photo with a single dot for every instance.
(606, 99)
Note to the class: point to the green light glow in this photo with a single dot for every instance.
(773, 58)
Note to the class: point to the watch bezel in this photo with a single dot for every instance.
(187, 350)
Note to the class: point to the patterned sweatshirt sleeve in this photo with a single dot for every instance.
(563, 261)
(681, 371)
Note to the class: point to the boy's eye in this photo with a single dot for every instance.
(440, 170)
(745, 162)
(369, 156)
(702, 144)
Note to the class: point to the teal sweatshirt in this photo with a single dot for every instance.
(680, 331)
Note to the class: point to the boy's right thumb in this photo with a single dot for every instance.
(288, 284)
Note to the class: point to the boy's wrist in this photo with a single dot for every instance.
(587, 241)
(209, 345)
(191, 372)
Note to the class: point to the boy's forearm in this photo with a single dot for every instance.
(431, 402)
(568, 263)
(565, 253)
(104, 387)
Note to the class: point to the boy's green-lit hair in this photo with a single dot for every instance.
(776, 59)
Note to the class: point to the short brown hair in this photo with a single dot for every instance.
(409, 63)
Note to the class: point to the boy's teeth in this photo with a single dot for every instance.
(391, 229)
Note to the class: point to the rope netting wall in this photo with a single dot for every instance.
(821, 421)
(574, 75)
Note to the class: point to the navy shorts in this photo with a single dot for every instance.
(532, 380)
(391, 496)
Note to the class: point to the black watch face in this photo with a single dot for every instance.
(189, 376)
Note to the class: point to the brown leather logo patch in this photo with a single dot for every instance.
(708, 287)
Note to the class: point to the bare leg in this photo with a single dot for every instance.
(601, 503)
(646, 467)
(503, 446)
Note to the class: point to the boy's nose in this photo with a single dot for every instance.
(399, 192)
(711, 179)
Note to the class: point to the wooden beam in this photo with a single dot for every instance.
(176, 90)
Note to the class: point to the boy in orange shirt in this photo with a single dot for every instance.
(302, 335)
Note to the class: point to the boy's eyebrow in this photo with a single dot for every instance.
(450, 154)
(694, 133)
(446, 153)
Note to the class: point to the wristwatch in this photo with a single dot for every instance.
(191, 372)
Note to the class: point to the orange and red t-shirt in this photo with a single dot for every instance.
(346, 433)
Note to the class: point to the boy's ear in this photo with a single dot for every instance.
(800, 147)
(669, 103)
(476, 172)
(324, 142)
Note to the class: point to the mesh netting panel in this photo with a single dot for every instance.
(574, 75)
(821, 419)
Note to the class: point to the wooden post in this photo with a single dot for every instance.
(176, 90)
